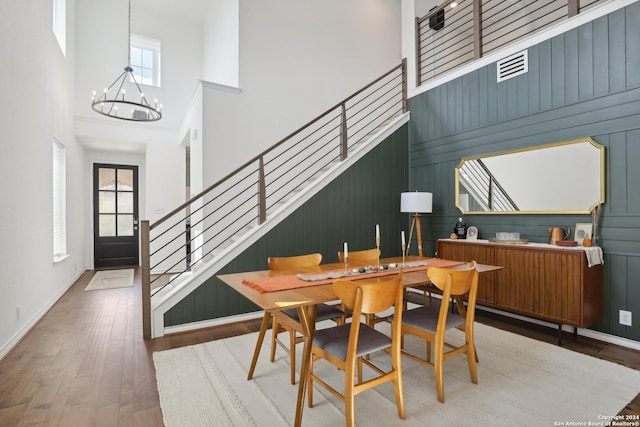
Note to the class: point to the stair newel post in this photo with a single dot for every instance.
(262, 192)
(145, 270)
(344, 147)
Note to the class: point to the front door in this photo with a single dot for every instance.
(115, 215)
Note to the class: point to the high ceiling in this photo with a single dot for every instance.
(192, 9)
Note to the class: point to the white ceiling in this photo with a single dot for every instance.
(191, 9)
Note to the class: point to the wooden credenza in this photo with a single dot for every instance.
(546, 282)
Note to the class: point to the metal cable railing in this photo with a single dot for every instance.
(203, 226)
(448, 38)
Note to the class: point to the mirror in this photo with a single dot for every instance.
(559, 178)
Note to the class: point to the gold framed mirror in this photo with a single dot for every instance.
(565, 177)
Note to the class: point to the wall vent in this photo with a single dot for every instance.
(512, 66)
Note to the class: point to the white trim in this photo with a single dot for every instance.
(188, 327)
(574, 22)
(589, 333)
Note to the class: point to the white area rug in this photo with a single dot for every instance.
(521, 382)
(110, 279)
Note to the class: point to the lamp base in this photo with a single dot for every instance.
(416, 223)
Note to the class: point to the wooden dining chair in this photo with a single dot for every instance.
(324, 312)
(361, 258)
(431, 322)
(345, 345)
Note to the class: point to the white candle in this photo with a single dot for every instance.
(377, 231)
(403, 241)
(346, 250)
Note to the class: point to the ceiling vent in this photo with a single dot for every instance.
(512, 66)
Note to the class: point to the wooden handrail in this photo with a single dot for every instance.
(338, 136)
(402, 66)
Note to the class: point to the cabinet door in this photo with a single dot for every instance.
(541, 283)
(482, 254)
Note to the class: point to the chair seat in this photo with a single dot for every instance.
(335, 340)
(325, 312)
(426, 319)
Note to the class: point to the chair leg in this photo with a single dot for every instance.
(349, 399)
(439, 369)
(292, 354)
(263, 330)
(274, 335)
(310, 383)
(471, 360)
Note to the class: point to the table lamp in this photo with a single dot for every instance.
(416, 203)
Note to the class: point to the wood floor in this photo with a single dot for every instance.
(86, 364)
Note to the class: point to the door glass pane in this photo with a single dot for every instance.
(106, 179)
(125, 203)
(107, 225)
(107, 202)
(125, 225)
(125, 180)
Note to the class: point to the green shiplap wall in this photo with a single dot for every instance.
(585, 82)
(348, 209)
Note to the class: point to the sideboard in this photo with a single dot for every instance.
(541, 281)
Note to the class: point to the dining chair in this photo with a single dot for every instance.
(363, 258)
(345, 345)
(431, 322)
(324, 311)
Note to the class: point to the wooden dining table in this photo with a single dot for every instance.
(306, 299)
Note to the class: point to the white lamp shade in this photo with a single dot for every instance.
(416, 202)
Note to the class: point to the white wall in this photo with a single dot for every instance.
(37, 90)
(297, 59)
(287, 49)
(221, 43)
(103, 51)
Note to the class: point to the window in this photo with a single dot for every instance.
(60, 23)
(145, 60)
(59, 202)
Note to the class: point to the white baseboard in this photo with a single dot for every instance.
(15, 339)
(589, 333)
(193, 326)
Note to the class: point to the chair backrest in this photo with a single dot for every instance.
(365, 257)
(454, 282)
(368, 296)
(461, 278)
(294, 262)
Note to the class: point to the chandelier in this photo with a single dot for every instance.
(133, 107)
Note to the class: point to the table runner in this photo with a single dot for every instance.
(292, 281)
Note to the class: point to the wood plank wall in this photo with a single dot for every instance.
(348, 209)
(582, 83)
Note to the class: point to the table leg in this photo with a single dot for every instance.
(307, 322)
(263, 330)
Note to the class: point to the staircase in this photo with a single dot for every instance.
(194, 241)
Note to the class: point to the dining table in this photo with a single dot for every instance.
(275, 291)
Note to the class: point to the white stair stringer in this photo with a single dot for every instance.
(165, 299)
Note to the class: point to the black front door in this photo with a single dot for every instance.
(115, 215)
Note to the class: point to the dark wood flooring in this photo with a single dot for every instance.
(86, 363)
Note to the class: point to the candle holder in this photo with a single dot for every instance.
(404, 252)
(346, 263)
(378, 247)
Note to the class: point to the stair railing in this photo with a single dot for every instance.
(195, 231)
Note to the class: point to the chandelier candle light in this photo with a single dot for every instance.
(115, 95)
